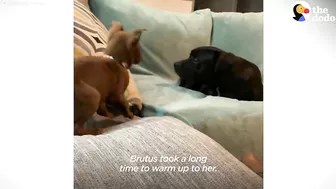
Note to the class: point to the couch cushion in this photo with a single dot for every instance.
(241, 34)
(170, 36)
(98, 159)
(236, 125)
(84, 2)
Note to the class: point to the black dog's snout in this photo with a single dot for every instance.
(199, 68)
(178, 67)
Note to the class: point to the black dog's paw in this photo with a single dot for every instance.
(205, 89)
(135, 109)
(211, 92)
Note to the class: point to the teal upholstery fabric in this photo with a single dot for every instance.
(236, 125)
(241, 34)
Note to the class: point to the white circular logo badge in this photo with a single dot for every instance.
(301, 11)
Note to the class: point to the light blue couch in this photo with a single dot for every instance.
(236, 125)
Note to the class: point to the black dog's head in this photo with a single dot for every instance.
(238, 78)
(199, 67)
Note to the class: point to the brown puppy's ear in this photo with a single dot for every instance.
(135, 38)
(115, 27)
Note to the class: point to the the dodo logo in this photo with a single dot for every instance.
(302, 12)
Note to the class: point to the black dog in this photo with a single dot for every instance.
(213, 71)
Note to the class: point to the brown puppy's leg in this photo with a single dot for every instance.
(102, 110)
(126, 105)
(123, 102)
(86, 102)
(80, 130)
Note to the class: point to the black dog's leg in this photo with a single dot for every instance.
(204, 89)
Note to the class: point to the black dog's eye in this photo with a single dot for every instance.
(195, 60)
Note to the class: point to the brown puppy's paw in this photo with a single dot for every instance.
(135, 109)
(88, 131)
(129, 114)
(122, 100)
(103, 111)
(110, 115)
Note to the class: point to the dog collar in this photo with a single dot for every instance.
(110, 57)
(107, 56)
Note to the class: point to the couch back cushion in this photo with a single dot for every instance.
(89, 33)
(169, 37)
(241, 34)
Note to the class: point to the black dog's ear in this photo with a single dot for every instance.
(217, 54)
(247, 74)
(223, 64)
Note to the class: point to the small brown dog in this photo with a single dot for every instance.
(97, 80)
(124, 46)
(101, 80)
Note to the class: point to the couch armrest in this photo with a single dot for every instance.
(100, 161)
